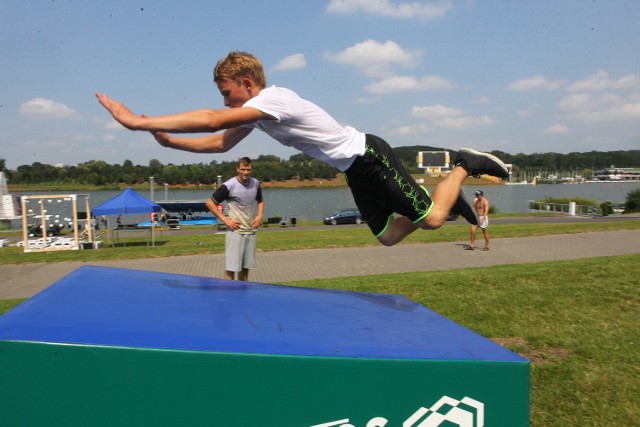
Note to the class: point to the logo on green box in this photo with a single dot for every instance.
(467, 412)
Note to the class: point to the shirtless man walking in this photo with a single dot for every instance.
(481, 204)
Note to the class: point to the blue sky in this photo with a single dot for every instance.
(517, 76)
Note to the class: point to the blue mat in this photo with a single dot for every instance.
(130, 308)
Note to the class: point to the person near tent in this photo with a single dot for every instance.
(380, 184)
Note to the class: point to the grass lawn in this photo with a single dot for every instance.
(169, 243)
(577, 321)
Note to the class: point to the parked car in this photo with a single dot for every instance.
(345, 216)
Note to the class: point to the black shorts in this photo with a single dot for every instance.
(381, 186)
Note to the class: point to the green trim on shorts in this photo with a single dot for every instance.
(385, 227)
(414, 222)
(426, 213)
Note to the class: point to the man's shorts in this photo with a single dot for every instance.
(239, 251)
(381, 186)
(484, 224)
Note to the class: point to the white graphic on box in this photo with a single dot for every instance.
(467, 412)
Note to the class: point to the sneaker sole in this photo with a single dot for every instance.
(491, 157)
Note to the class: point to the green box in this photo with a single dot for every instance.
(107, 347)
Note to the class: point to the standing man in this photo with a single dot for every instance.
(481, 204)
(246, 208)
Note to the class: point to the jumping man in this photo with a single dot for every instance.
(380, 185)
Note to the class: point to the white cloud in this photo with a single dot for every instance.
(375, 59)
(529, 111)
(465, 122)
(81, 137)
(556, 130)
(365, 101)
(291, 62)
(415, 10)
(409, 83)
(606, 107)
(482, 100)
(536, 82)
(412, 130)
(443, 116)
(435, 112)
(41, 108)
(602, 81)
(600, 98)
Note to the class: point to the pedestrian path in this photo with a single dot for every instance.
(25, 280)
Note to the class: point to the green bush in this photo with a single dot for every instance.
(606, 208)
(567, 200)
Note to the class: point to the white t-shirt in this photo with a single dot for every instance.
(305, 126)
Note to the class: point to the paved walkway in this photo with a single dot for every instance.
(23, 281)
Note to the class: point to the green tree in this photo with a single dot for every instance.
(632, 203)
(155, 167)
(273, 168)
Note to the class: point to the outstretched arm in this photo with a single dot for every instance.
(189, 122)
(218, 143)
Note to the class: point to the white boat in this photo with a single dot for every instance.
(524, 182)
(9, 204)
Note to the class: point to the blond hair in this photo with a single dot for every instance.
(237, 65)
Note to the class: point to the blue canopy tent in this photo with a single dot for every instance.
(128, 202)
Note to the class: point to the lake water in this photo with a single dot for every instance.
(313, 204)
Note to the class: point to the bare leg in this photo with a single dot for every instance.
(229, 275)
(398, 229)
(243, 275)
(485, 232)
(444, 196)
(472, 240)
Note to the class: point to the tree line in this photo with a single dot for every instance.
(100, 173)
(269, 168)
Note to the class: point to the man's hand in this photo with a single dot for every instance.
(232, 224)
(257, 222)
(163, 138)
(119, 111)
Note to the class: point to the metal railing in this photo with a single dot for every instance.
(564, 208)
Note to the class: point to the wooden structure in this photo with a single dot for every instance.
(53, 244)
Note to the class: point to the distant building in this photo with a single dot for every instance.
(615, 174)
(9, 204)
